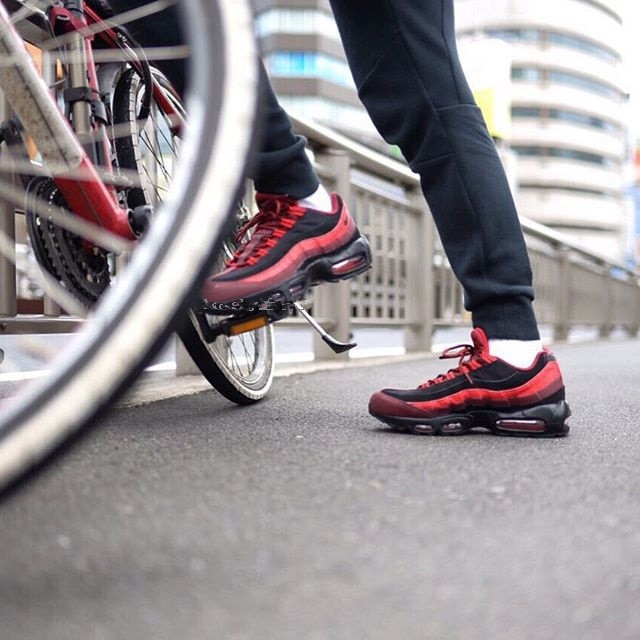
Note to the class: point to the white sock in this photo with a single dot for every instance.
(320, 200)
(518, 353)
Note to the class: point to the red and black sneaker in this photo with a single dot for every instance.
(290, 249)
(482, 391)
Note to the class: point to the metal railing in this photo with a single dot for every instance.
(410, 286)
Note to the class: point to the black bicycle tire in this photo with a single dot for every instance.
(239, 383)
(129, 326)
(124, 146)
(244, 390)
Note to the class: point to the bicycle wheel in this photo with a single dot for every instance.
(239, 367)
(137, 313)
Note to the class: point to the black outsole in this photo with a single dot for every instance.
(312, 273)
(542, 421)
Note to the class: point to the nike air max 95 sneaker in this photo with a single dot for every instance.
(290, 248)
(482, 391)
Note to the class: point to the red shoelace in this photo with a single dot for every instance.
(474, 359)
(276, 215)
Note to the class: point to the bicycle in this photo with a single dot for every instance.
(110, 223)
(110, 236)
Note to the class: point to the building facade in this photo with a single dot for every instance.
(569, 112)
(303, 55)
(569, 103)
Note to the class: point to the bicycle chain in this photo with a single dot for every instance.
(79, 266)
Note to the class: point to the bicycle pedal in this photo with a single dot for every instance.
(242, 321)
(235, 326)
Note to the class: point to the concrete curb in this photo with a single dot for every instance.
(154, 386)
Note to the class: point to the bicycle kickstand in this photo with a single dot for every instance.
(336, 345)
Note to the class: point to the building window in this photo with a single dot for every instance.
(565, 115)
(526, 74)
(583, 45)
(515, 35)
(566, 154)
(305, 21)
(535, 74)
(309, 64)
(573, 189)
(527, 112)
(582, 82)
(556, 38)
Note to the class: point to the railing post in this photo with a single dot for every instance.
(606, 326)
(8, 293)
(185, 366)
(633, 326)
(561, 321)
(420, 279)
(332, 302)
(8, 302)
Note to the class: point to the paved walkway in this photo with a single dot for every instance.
(301, 518)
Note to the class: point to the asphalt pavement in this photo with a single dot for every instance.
(303, 518)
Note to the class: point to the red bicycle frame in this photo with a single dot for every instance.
(85, 192)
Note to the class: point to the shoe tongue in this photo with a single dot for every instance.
(273, 203)
(480, 340)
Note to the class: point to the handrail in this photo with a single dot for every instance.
(574, 284)
(537, 230)
(363, 156)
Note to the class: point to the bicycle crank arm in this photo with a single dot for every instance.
(336, 345)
